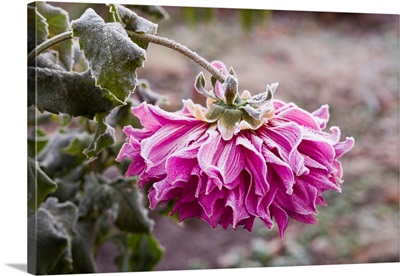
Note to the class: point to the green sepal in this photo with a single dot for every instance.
(214, 112)
(230, 117)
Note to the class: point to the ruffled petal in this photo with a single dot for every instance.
(321, 115)
(220, 159)
(285, 138)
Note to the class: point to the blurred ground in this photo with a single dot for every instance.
(348, 61)
(345, 60)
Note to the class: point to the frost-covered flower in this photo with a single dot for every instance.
(239, 159)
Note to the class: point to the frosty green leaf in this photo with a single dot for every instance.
(51, 158)
(39, 185)
(146, 252)
(58, 21)
(37, 28)
(131, 21)
(104, 137)
(50, 235)
(70, 93)
(132, 215)
(112, 56)
(157, 12)
(119, 199)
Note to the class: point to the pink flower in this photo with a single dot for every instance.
(239, 159)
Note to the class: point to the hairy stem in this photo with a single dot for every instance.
(47, 44)
(181, 49)
(142, 37)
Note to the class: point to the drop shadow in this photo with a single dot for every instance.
(21, 267)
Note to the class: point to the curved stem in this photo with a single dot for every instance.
(181, 49)
(47, 44)
(142, 37)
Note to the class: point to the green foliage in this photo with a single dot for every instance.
(58, 21)
(39, 184)
(131, 21)
(37, 28)
(69, 93)
(138, 252)
(103, 138)
(113, 58)
(157, 13)
(77, 197)
(50, 236)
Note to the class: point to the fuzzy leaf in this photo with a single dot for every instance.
(70, 93)
(58, 21)
(113, 58)
(104, 137)
(122, 115)
(132, 215)
(146, 94)
(146, 252)
(78, 144)
(50, 234)
(39, 185)
(52, 159)
(119, 199)
(157, 12)
(131, 21)
(99, 198)
(37, 28)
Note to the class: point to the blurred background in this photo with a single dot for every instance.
(348, 61)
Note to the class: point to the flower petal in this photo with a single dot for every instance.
(220, 159)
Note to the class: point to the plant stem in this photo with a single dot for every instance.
(142, 37)
(47, 44)
(181, 49)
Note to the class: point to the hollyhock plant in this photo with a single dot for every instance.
(240, 158)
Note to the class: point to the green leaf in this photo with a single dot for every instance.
(58, 21)
(50, 234)
(146, 94)
(104, 137)
(98, 198)
(66, 190)
(119, 199)
(37, 140)
(131, 21)
(132, 215)
(52, 159)
(82, 244)
(39, 185)
(70, 93)
(78, 144)
(157, 12)
(37, 28)
(113, 58)
(122, 116)
(146, 252)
